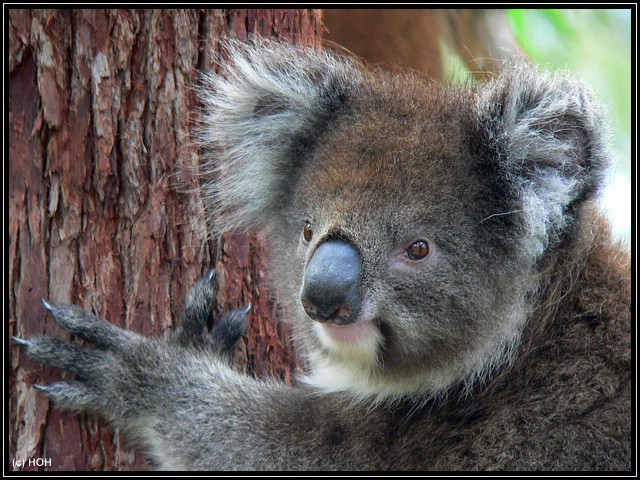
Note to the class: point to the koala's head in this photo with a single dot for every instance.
(405, 219)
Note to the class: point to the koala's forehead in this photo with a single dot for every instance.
(395, 143)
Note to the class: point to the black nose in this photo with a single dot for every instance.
(331, 291)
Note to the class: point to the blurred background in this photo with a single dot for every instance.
(455, 45)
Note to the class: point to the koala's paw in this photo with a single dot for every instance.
(197, 327)
(122, 375)
(95, 368)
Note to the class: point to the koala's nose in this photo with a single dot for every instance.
(331, 291)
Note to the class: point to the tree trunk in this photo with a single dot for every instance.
(100, 164)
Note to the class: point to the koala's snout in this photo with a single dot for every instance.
(331, 290)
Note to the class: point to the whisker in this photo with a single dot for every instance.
(499, 215)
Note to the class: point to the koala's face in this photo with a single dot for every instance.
(386, 266)
(405, 220)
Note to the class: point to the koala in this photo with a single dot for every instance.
(442, 261)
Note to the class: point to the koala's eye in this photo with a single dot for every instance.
(307, 233)
(418, 250)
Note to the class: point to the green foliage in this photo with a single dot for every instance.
(454, 70)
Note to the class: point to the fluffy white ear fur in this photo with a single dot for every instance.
(550, 141)
(267, 99)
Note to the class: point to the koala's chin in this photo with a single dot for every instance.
(355, 344)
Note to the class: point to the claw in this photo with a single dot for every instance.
(20, 341)
(46, 305)
(212, 274)
(41, 388)
(247, 309)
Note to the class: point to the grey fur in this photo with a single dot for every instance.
(196, 329)
(506, 348)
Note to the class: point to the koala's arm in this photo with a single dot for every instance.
(180, 400)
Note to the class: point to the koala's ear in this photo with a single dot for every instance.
(548, 138)
(263, 113)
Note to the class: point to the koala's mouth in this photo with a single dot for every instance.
(352, 334)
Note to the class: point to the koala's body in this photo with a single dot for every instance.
(439, 255)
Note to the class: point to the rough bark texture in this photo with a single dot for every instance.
(99, 215)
